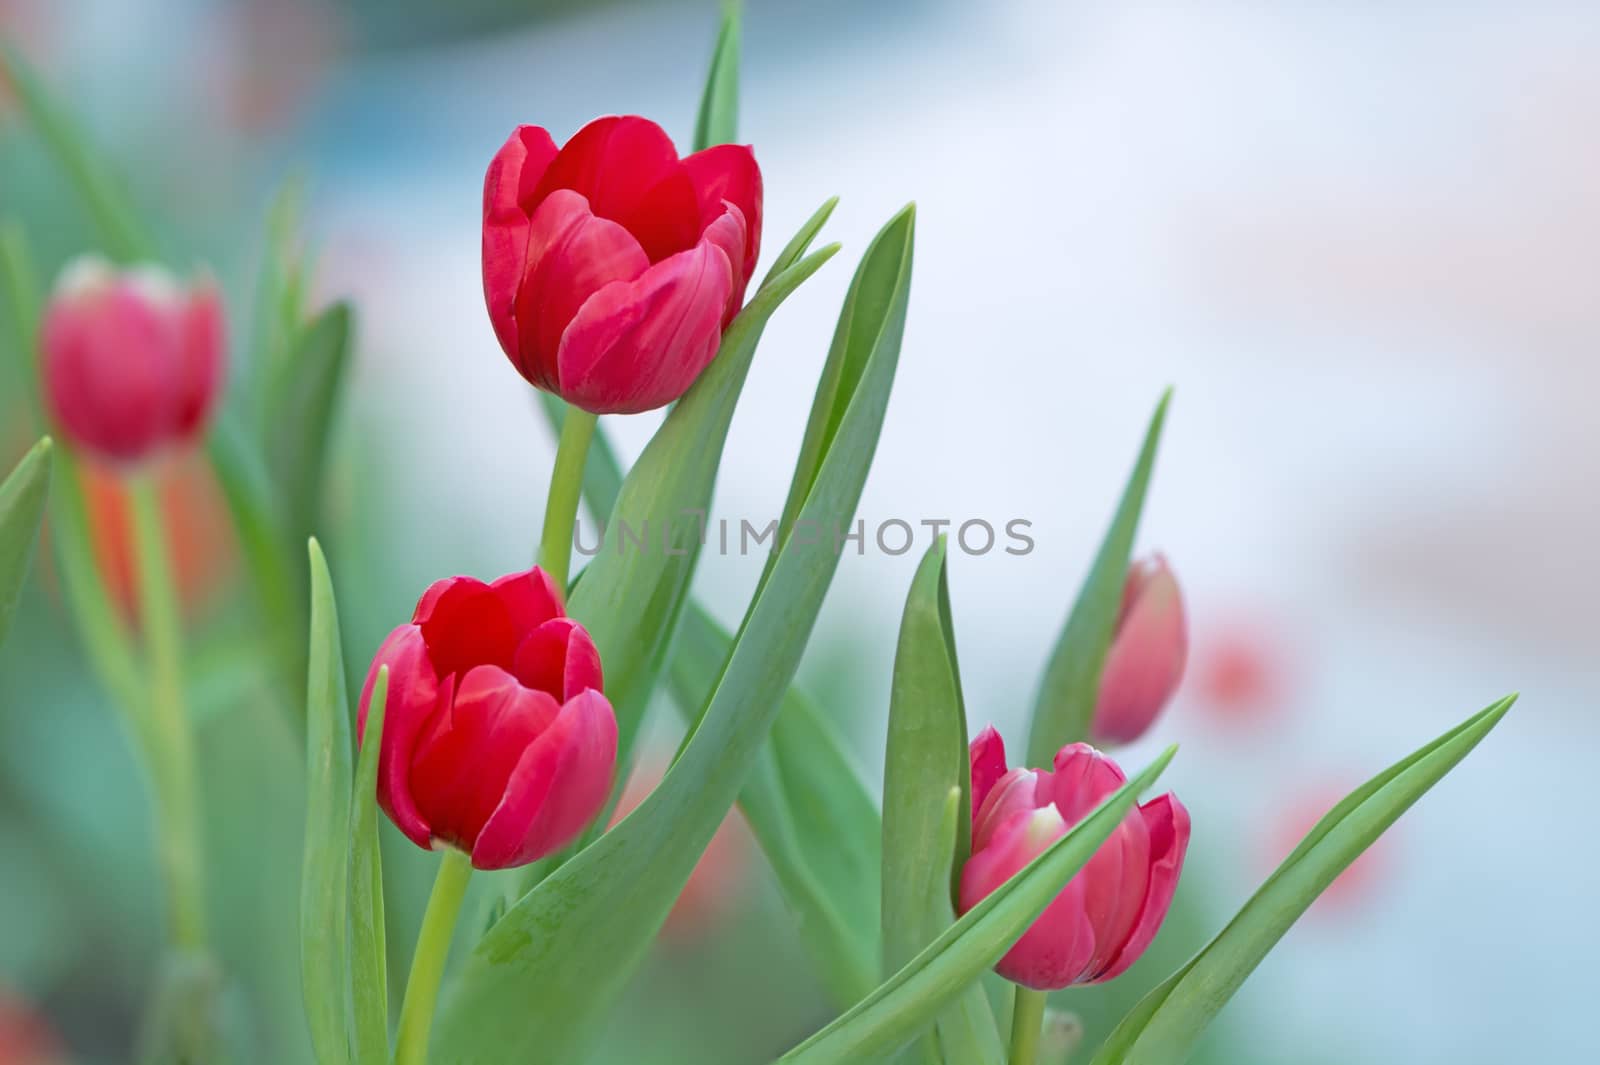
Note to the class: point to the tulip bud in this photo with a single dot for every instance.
(133, 362)
(611, 266)
(496, 737)
(1147, 654)
(1110, 911)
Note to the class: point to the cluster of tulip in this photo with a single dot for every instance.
(497, 725)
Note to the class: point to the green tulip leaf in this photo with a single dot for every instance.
(809, 810)
(1164, 1027)
(102, 193)
(301, 413)
(22, 498)
(632, 593)
(924, 847)
(909, 1002)
(1064, 707)
(369, 963)
(805, 801)
(718, 120)
(324, 878)
(544, 976)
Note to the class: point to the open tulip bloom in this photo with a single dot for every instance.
(497, 740)
(611, 266)
(498, 726)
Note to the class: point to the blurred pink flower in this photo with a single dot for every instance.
(1296, 816)
(718, 880)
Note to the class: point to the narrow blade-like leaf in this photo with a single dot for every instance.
(22, 498)
(542, 978)
(304, 405)
(369, 964)
(1164, 1027)
(1064, 706)
(125, 238)
(810, 811)
(907, 1003)
(324, 969)
(633, 592)
(718, 120)
(926, 755)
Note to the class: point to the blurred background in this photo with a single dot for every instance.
(1362, 246)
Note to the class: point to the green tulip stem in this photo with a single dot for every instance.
(170, 740)
(427, 964)
(566, 487)
(1027, 1021)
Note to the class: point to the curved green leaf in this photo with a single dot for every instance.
(1164, 1027)
(542, 977)
(22, 499)
(301, 412)
(632, 593)
(718, 120)
(1064, 707)
(324, 895)
(907, 1003)
(926, 755)
(810, 811)
(125, 238)
(369, 963)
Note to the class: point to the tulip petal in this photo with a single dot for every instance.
(1167, 822)
(508, 202)
(987, 755)
(1146, 659)
(637, 345)
(559, 657)
(465, 624)
(728, 173)
(571, 255)
(1083, 777)
(203, 342)
(1057, 947)
(727, 232)
(530, 597)
(1018, 791)
(413, 698)
(1115, 883)
(558, 787)
(628, 170)
(460, 767)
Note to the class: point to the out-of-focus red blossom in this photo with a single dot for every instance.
(26, 1038)
(611, 266)
(1147, 654)
(196, 520)
(1241, 673)
(496, 737)
(1351, 888)
(1110, 911)
(133, 362)
(717, 880)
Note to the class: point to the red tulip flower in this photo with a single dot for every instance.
(496, 738)
(1110, 911)
(1147, 654)
(611, 266)
(133, 361)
